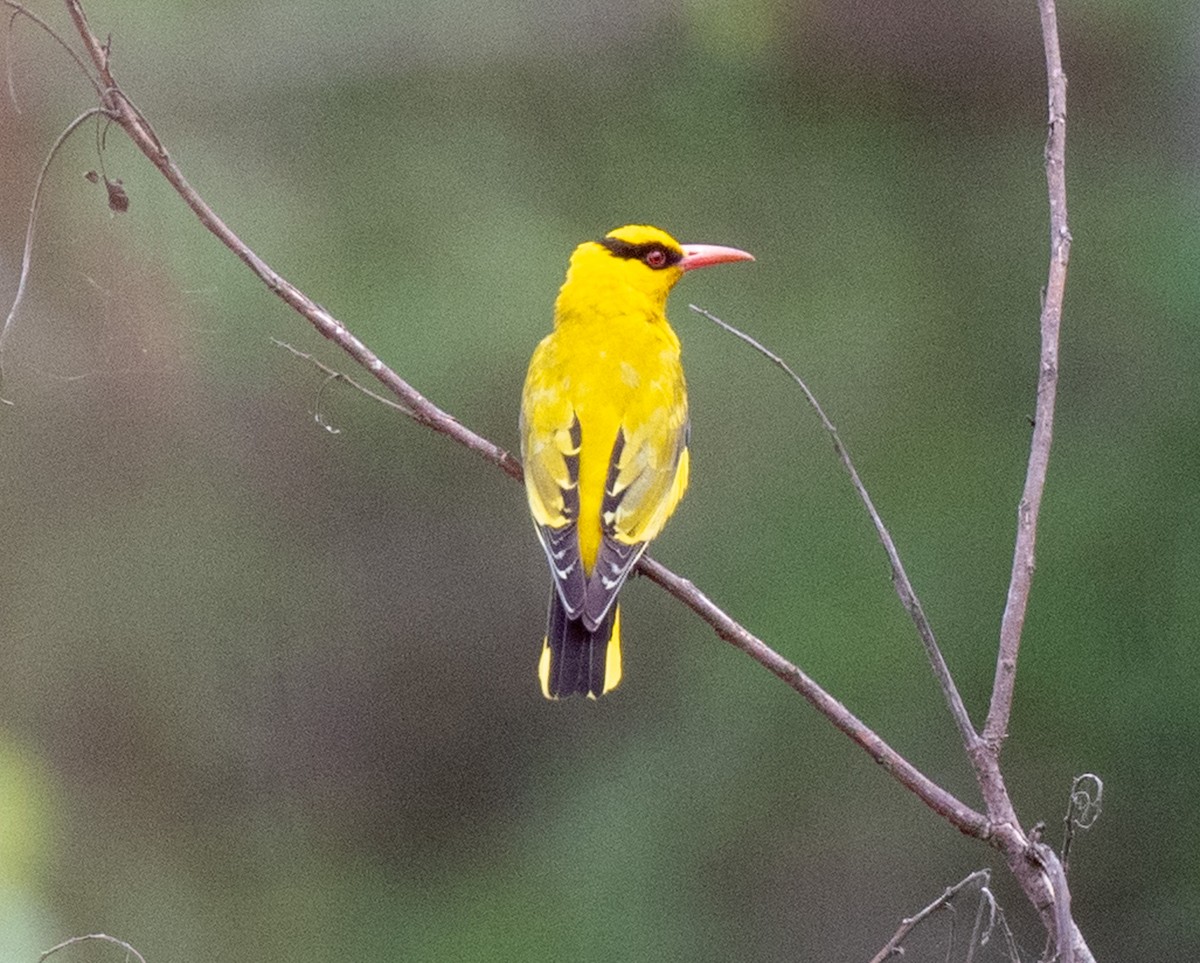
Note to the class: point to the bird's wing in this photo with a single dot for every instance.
(647, 475)
(550, 441)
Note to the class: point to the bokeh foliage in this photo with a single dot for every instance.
(267, 690)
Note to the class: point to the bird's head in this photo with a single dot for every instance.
(634, 265)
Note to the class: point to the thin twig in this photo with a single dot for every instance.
(100, 937)
(893, 947)
(30, 227)
(19, 10)
(1013, 622)
(1035, 865)
(904, 588)
(332, 374)
(8, 60)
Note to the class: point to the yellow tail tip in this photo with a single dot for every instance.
(612, 656)
(544, 671)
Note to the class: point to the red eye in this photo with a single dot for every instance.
(656, 258)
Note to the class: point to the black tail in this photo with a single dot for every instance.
(575, 660)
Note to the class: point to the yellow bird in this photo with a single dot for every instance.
(604, 435)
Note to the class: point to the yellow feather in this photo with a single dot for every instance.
(612, 656)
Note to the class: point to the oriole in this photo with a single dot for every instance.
(604, 439)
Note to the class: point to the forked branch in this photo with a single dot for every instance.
(980, 933)
(1036, 867)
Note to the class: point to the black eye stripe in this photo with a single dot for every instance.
(638, 252)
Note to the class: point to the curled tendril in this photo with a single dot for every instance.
(1083, 809)
(1087, 800)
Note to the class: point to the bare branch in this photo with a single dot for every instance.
(1044, 858)
(1035, 865)
(904, 588)
(1013, 622)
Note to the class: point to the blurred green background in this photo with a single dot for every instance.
(267, 691)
